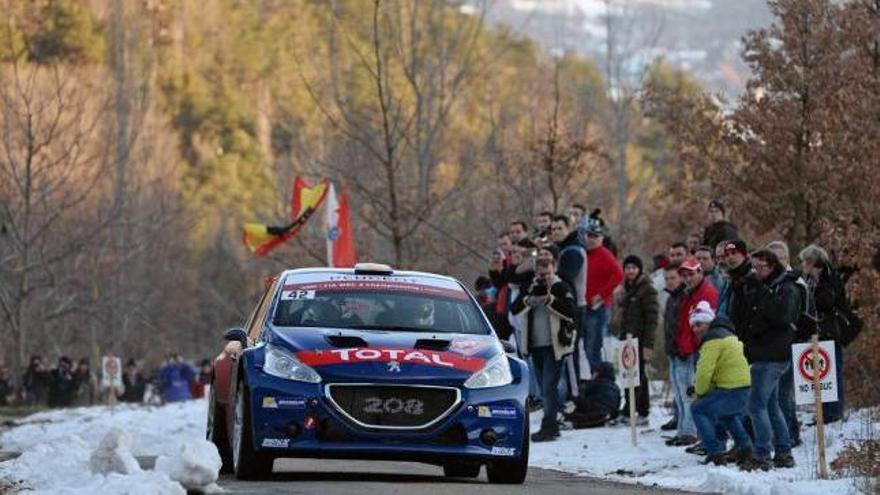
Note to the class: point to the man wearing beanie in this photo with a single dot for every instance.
(722, 386)
(636, 313)
(719, 228)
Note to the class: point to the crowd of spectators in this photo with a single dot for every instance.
(69, 385)
(727, 317)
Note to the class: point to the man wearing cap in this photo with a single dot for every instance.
(637, 314)
(604, 274)
(722, 386)
(719, 228)
(698, 289)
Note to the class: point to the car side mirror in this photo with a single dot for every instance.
(236, 334)
(508, 347)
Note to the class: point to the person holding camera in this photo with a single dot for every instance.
(548, 307)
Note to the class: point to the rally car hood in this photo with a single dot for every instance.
(347, 355)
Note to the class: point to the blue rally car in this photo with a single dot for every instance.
(369, 363)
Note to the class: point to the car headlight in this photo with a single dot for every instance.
(496, 373)
(281, 363)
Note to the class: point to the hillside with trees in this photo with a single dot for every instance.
(138, 137)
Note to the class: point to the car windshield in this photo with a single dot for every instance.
(391, 303)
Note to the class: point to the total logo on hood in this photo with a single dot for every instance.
(384, 355)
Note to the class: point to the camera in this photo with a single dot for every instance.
(539, 288)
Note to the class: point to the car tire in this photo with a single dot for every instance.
(216, 431)
(511, 472)
(247, 462)
(461, 470)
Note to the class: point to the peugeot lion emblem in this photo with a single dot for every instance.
(393, 366)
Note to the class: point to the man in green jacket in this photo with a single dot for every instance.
(722, 385)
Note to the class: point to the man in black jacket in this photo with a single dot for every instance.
(62, 385)
(638, 315)
(765, 307)
(548, 307)
(824, 293)
(719, 228)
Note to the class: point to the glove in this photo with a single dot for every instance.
(691, 392)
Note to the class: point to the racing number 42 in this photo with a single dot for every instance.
(393, 405)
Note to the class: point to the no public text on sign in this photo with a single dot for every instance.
(804, 373)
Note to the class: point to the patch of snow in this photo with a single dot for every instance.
(195, 466)
(92, 450)
(113, 454)
(608, 453)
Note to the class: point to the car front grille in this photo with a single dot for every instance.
(393, 407)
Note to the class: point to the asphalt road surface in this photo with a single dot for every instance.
(361, 478)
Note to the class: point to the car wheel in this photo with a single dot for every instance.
(512, 472)
(216, 431)
(247, 462)
(461, 470)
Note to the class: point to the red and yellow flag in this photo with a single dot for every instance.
(261, 238)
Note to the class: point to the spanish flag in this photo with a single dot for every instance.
(261, 239)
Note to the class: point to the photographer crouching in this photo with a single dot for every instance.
(549, 334)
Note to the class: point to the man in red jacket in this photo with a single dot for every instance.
(604, 274)
(683, 366)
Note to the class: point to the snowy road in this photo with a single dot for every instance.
(360, 478)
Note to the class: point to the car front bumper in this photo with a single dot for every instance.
(293, 419)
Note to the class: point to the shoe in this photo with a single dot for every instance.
(670, 425)
(718, 459)
(755, 463)
(642, 421)
(783, 461)
(682, 441)
(545, 436)
(699, 449)
(736, 456)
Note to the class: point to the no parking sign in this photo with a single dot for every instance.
(628, 361)
(804, 372)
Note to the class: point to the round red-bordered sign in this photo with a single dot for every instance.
(806, 359)
(628, 357)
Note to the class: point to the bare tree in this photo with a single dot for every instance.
(416, 60)
(51, 164)
(628, 39)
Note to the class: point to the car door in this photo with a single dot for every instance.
(225, 364)
(254, 330)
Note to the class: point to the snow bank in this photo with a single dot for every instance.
(608, 453)
(92, 450)
(195, 466)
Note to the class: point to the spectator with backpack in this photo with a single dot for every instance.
(830, 314)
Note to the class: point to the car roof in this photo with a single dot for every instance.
(351, 271)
